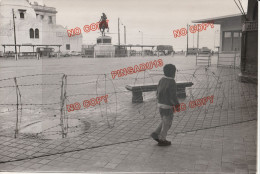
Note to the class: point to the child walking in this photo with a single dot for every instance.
(167, 98)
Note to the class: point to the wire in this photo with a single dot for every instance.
(239, 7)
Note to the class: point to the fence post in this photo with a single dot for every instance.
(62, 106)
(17, 108)
(218, 57)
(208, 61)
(16, 56)
(235, 59)
(38, 56)
(196, 58)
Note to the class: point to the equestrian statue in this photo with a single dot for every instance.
(103, 24)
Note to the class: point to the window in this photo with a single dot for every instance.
(106, 41)
(21, 15)
(50, 19)
(227, 34)
(231, 41)
(67, 46)
(37, 33)
(31, 33)
(21, 12)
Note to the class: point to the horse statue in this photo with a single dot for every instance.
(103, 24)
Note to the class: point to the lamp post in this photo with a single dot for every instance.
(142, 40)
(125, 33)
(215, 38)
(118, 34)
(16, 55)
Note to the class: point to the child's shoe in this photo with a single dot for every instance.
(164, 143)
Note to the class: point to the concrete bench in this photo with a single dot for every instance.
(137, 90)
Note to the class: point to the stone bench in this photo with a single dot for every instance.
(137, 90)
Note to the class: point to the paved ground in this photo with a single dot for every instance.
(219, 137)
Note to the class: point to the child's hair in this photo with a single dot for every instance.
(169, 70)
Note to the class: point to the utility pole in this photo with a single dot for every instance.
(16, 56)
(193, 40)
(142, 42)
(198, 40)
(187, 39)
(118, 34)
(125, 34)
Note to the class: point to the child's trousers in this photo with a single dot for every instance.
(166, 123)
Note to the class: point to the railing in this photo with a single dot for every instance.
(231, 58)
(250, 26)
(203, 59)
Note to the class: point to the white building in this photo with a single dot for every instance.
(35, 25)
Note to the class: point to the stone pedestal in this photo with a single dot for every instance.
(104, 48)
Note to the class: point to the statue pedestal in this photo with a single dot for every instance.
(104, 47)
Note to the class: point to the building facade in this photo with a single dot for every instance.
(239, 34)
(34, 25)
(230, 31)
(249, 51)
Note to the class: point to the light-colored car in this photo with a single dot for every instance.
(74, 53)
(65, 54)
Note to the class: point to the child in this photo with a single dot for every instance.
(166, 95)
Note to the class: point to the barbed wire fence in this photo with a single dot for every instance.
(55, 106)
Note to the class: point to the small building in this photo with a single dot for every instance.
(165, 49)
(239, 34)
(230, 31)
(34, 25)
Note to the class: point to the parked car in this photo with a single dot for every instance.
(74, 53)
(43, 51)
(205, 50)
(65, 54)
(53, 54)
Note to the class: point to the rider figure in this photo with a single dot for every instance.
(103, 17)
(103, 21)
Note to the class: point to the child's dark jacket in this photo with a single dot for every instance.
(167, 93)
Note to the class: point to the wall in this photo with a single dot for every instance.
(230, 25)
(249, 61)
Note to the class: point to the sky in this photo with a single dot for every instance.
(156, 19)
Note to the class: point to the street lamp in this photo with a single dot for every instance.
(142, 40)
(124, 32)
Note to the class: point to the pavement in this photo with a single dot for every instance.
(219, 137)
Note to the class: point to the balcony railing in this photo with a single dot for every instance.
(250, 26)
